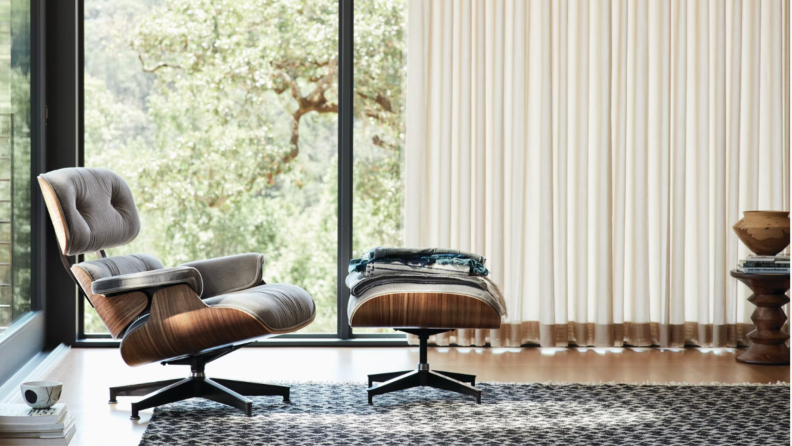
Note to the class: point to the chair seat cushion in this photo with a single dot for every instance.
(280, 307)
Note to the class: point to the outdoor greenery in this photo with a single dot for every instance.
(222, 117)
(15, 145)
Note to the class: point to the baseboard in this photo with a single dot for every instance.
(34, 370)
(21, 342)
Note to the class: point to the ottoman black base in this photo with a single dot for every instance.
(422, 376)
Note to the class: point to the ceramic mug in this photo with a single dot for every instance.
(41, 394)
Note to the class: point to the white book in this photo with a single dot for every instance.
(58, 441)
(22, 414)
(61, 425)
(768, 258)
(779, 271)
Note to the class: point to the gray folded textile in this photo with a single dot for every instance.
(381, 253)
(378, 269)
(359, 284)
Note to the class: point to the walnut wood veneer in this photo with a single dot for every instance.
(425, 310)
(181, 324)
(118, 311)
(768, 341)
(56, 214)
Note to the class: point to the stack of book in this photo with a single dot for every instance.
(764, 265)
(21, 425)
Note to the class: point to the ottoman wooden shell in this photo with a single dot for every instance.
(424, 314)
(423, 310)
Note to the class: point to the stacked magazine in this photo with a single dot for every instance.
(764, 265)
(21, 425)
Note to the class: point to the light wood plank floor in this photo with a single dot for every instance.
(87, 373)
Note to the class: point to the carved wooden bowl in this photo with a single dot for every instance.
(765, 233)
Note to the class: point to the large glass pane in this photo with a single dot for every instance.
(222, 116)
(14, 160)
(379, 133)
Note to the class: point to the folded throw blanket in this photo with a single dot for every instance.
(420, 258)
(381, 253)
(379, 269)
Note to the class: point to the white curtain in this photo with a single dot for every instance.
(598, 153)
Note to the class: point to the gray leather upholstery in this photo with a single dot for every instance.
(147, 279)
(122, 274)
(119, 265)
(270, 304)
(98, 208)
(279, 306)
(229, 274)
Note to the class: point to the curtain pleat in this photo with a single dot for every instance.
(598, 153)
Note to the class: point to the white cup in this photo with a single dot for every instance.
(41, 394)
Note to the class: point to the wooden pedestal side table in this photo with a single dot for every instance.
(769, 295)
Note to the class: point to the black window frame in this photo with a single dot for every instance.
(344, 335)
(28, 334)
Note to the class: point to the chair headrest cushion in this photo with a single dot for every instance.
(96, 208)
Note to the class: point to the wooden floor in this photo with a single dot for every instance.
(87, 373)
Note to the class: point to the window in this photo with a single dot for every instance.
(15, 162)
(379, 132)
(223, 119)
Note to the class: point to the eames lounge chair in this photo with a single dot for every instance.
(188, 315)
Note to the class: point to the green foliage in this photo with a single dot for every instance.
(20, 98)
(221, 114)
(15, 141)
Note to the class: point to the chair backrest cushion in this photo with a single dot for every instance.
(91, 209)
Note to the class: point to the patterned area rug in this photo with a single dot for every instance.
(510, 414)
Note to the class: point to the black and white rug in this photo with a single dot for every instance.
(510, 414)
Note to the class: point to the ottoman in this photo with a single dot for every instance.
(424, 310)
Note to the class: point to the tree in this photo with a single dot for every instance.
(231, 144)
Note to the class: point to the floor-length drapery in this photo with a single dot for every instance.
(598, 153)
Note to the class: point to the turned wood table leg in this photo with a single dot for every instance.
(768, 340)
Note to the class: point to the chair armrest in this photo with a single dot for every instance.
(228, 274)
(149, 279)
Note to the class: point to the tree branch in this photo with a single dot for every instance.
(381, 99)
(162, 65)
(295, 91)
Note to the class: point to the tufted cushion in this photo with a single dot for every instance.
(96, 207)
(279, 306)
(119, 265)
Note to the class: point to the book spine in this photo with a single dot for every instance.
(765, 270)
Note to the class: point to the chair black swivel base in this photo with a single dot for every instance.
(422, 376)
(197, 385)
